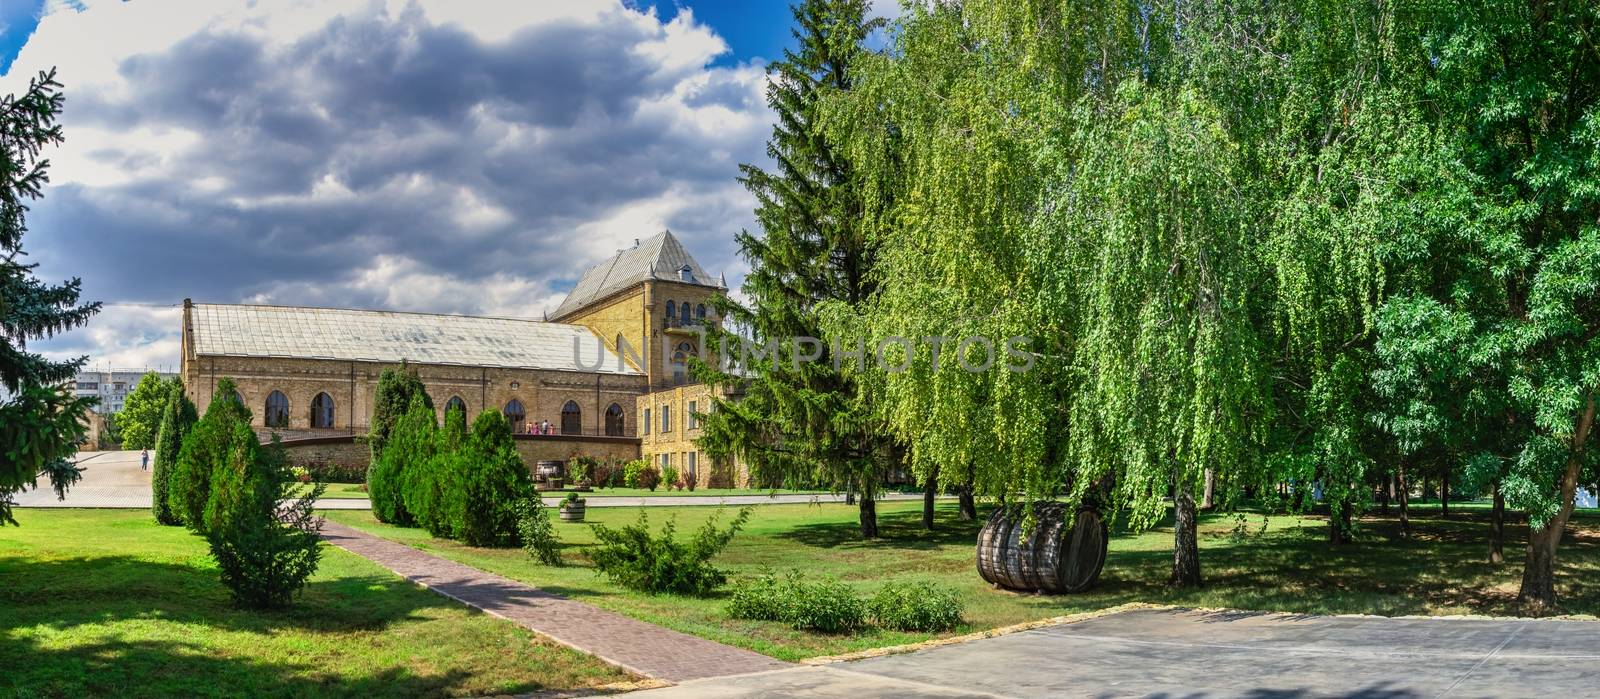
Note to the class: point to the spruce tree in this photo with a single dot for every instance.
(803, 423)
(41, 422)
(178, 416)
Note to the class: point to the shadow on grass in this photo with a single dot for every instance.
(123, 626)
(900, 528)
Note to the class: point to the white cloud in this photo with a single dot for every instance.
(432, 155)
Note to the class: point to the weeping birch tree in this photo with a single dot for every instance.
(1165, 248)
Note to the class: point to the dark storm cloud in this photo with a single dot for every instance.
(393, 139)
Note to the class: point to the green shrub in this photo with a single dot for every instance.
(669, 477)
(332, 472)
(538, 533)
(915, 606)
(492, 481)
(655, 563)
(640, 473)
(760, 597)
(413, 444)
(265, 550)
(204, 447)
(177, 419)
(825, 605)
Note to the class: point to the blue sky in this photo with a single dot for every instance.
(17, 20)
(455, 156)
(758, 29)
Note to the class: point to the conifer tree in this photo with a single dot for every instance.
(396, 388)
(205, 446)
(178, 416)
(490, 485)
(803, 423)
(410, 443)
(41, 423)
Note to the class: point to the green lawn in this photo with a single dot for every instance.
(1287, 567)
(340, 491)
(107, 603)
(702, 492)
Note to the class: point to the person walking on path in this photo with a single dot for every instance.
(144, 460)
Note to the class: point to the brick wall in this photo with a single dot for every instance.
(354, 452)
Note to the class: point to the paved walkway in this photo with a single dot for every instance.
(633, 645)
(113, 479)
(1201, 655)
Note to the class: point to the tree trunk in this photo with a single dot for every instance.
(1186, 542)
(1497, 528)
(969, 508)
(1208, 496)
(1403, 489)
(869, 516)
(1538, 594)
(1385, 493)
(929, 491)
(1444, 494)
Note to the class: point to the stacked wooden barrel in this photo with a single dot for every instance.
(1064, 552)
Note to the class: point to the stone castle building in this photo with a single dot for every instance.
(607, 371)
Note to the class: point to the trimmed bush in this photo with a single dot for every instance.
(655, 563)
(265, 551)
(825, 605)
(492, 481)
(331, 472)
(915, 606)
(760, 597)
(640, 473)
(204, 447)
(537, 532)
(669, 477)
(177, 419)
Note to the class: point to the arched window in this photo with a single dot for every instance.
(571, 418)
(516, 416)
(455, 403)
(683, 313)
(614, 421)
(322, 411)
(680, 360)
(672, 310)
(277, 414)
(700, 312)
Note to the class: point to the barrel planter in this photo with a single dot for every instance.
(1064, 553)
(572, 511)
(547, 469)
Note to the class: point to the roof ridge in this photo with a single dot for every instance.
(383, 310)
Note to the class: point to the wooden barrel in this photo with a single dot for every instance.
(1064, 552)
(549, 469)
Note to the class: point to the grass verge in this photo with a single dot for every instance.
(108, 603)
(1278, 563)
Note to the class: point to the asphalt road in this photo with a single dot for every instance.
(1176, 654)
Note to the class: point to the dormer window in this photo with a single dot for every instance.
(685, 273)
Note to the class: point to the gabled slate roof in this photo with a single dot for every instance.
(659, 257)
(390, 336)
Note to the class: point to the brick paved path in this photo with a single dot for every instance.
(633, 645)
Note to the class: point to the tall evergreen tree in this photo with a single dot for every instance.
(803, 422)
(41, 423)
(396, 388)
(205, 446)
(178, 416)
